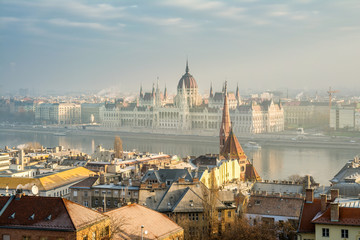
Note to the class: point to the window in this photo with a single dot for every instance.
(325, 232)
(86, 203)
(85, 237)
(5, 237)
(85, 193)
(229, 213)
(75, 193)
(26, 237)
(257, 202)
(96, 191)
(344, 233)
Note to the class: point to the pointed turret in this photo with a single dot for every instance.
(153, 90)
(165, 93)
(232, 148)
(225, 124)
(237, 95)
(211, 91)
(141, 92)
(187, 66)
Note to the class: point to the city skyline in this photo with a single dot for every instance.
(82, 45)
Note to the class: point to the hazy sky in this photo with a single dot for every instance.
(88, 45)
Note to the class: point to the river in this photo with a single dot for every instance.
(275, 161)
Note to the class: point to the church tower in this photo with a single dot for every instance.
(226, 123)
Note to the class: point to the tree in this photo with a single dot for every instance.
(118, 148)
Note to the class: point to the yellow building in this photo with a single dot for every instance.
(56, 184)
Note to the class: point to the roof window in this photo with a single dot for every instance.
(12, 216)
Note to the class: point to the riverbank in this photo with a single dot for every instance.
(283, 139)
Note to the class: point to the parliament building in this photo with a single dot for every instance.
(189, 113)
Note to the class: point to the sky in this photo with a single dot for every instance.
(74, 45)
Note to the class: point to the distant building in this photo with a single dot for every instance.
(4, 161)
(306, 114)
(188, 114)
(58, 113)
(32, 217)
(90, 112)
(342, 118)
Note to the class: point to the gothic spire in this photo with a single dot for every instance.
(141, 91)
(211, 91)
(165, 92)
(187, 66)
(225, 124)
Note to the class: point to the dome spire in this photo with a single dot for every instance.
(187, 66)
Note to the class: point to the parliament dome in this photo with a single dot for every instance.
(187, 80)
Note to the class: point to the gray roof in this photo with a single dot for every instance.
(163, 175)
(347, 189)
(349, 173)
(185, 197)
(271, 187)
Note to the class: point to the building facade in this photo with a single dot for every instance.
(58, 113)
(188, 114)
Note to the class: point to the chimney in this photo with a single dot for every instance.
(21, 159)
(334, 212)
(102, 178)
(334, 194)
(323, 202)
(195, 180)
(308, 181)
(309, 195)
(181, 180)
(19, 194)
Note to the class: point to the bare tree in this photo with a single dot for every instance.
(118, 148)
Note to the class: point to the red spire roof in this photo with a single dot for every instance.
(232, 148)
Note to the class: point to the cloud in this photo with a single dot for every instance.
(278, 13)
(90, 25)
(103, 10)
(197, 5)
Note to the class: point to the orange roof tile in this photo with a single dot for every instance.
(347, 216)
(48, 213)
(309, 211)
(232, 148)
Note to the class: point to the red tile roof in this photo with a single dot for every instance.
(47, 213)
(251, 174)
(232, 148)
(347, 216)
(309, 211)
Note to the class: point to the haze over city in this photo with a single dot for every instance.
(94, 45)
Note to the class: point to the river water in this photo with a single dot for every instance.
(271, 162)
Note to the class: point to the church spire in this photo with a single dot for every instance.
(211, 91)
(165, 92)
(225, 124)
(187, 66)
(141, 91)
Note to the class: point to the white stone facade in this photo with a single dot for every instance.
(189, 115)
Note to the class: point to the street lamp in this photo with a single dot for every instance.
(142, 228)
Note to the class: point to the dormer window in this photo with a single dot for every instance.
(12, 216)
(48, 217)
(32, 216)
